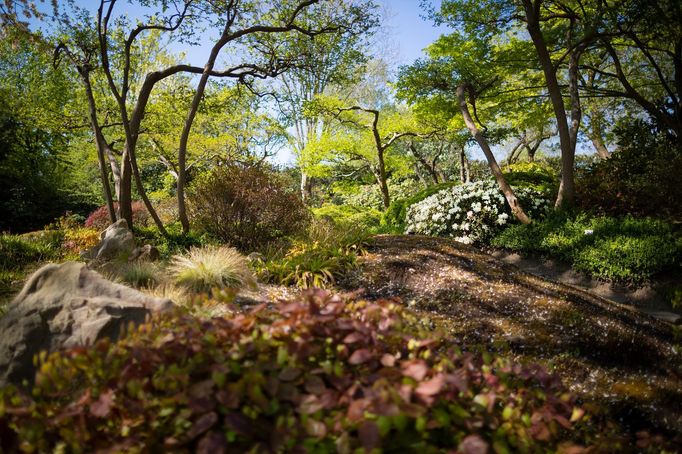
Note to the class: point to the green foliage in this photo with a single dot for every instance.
(345, 192)
(532, 175)
(328, 251)
(317, 374)
(247, 207)
(175, 242)
(211, 267)
(396, 214)
(626, 250)
(641, 178)
(138, 275)
(366, 218)
(41, 176)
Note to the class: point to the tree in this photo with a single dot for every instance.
(364, 134)
(329, 61)
(41, 177)
(247, 26)
(457, 68)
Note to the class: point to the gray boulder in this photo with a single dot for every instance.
(66, 305)
(115, 241)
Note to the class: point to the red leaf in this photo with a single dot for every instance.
(431, 387)
(353, 338)
(356, 409)
(388, 360)
(212, 443)
(202, 424)
(315, 429)
(369, 435)
(415, 369)
(102, 407)
(360, 356)
(473, 444)
(289, 374)
(310, 404)
(314, 385)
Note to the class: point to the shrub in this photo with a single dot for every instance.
(175, 242)
(326, 254)
(316, 375)
(471, 212)
(138, 275)
(396, 214)
(367, 218)
(369, 195)
(99, 219)
(626, 250)
(207, 268)
(247, 207)
(642, 178)
(78, 240)
(17, 251)
(532, 175)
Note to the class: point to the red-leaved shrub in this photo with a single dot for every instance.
(99, 219)
(318, 374)
(246, 207)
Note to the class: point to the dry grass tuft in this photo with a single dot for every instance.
(204, 269)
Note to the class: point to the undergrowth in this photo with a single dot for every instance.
(625, 250)
(318, 374)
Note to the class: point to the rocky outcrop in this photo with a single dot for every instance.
(117, 240)
(64, 306)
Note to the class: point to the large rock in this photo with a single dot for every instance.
(64, 306)
(115, 241)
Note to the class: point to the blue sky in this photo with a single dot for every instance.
(408, 29)
(407, 32)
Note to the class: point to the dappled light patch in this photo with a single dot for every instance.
(592, 343)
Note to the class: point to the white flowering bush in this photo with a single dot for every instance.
(471, 212)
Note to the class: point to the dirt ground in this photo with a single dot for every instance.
(609, 354)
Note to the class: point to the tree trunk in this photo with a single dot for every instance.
(306, 187)
(507, 190)
(187, 128)
(430, 168)
(596, 137)
(125, 194)
(100, 142)
(566, 195)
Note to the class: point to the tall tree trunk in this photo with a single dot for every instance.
(380, 176)
(100, 142)
(125, 194)
(596, 134)
(115, 169)
(566, 195)
(187, 128)
(306, 187)
(507, 190)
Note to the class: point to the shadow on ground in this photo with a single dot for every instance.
(607, 353)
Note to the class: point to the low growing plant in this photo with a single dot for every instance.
(211, 267)
(317, 374)
(626, 250)
(327, 252)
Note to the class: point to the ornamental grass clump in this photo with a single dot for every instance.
(208, 268)
(317, 374)
(471, 212)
